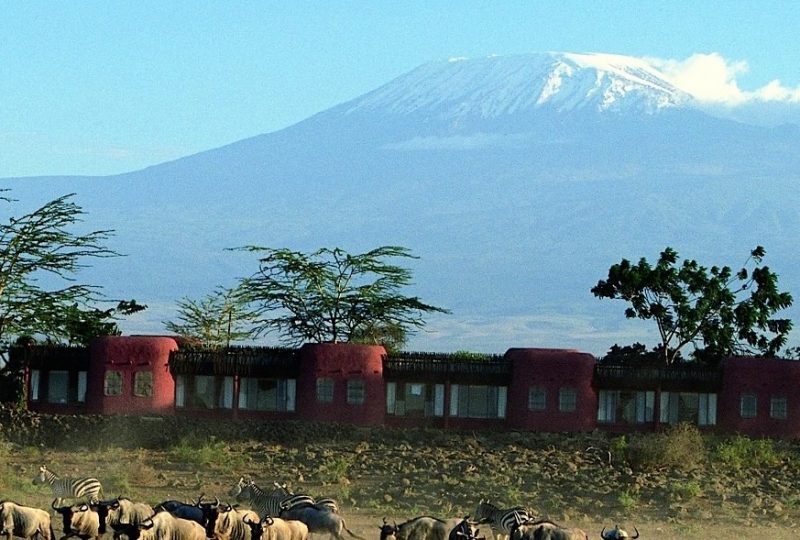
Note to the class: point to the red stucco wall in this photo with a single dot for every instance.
(765, 377)
(551, 369)
(340, 362)
(129, 354)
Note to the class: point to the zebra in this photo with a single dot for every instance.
(502, 520)
(294, 499)
(265, 504)
(76, 488)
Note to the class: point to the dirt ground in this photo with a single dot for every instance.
(575, 480)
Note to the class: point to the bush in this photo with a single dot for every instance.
(742, 452)
(680, 447)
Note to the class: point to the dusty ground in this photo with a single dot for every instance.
(577, 480)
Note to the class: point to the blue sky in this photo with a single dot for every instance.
(95, 87)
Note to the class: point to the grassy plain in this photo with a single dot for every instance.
(672, 485)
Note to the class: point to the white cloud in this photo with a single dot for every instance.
(711, 78)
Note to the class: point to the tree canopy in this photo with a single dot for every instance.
(40, 254)
(715, 311)
(330, 295)
(216, 320)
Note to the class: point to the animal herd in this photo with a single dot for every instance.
(274, 514)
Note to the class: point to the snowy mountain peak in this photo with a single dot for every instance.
(497, 86)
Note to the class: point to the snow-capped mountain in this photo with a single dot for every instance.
(517, 181)
(507, 85)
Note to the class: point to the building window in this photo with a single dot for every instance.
(748, 405)
(259, 394)
(694, 408)
(631, 407)
(325, 390)
(35, 381)
(82, 386)
(567, 399)
(112, 385)
(143, 384)
(778, 407)
(204, 392)
(356, 392)
(414, 399)
(57, 386)
(537, 398)
(478, 401)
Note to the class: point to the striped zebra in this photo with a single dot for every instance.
(502, 520)
(75, 488)
(299, 499)
(270, 504)
(263, 503)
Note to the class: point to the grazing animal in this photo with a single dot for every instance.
(74, 488)
(165, 526)
(501, 520)
(465, 530)
(265, 504)
(271, 528)
(124, 515)
(419, 528)
(618, 534)
(546, 530)
(320, 521)
(233, 524)
(24, 521)
(79, 520)
(269, 504)
(204, 513)
(299, 499)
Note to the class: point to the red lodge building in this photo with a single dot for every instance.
(527, 389)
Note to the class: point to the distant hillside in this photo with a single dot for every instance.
(517, 180)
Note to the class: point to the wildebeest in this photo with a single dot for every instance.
(77, 488)
(24, 521)
(546, 530)
(165, 526)
(419, 528)
(268, 504)
(320, 521)
(617, 534)
(78, 520)
(124, 515)
(271, 528)
(204, 513)
(465, 530)
(233, 524)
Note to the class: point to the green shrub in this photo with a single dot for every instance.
(685, 490)
(191, 450)
(628, 499)
(743, 452)
(681, 447)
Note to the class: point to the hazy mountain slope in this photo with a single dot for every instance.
(517, 180)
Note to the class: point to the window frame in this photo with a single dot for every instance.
(118, 386)
(779, 413)
(325, 390)
(537, 398)
(143, 388)
(356, 391)
(563, 396)
(746, 399)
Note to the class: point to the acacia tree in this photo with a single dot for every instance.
(215, 320)
(40, 255)
(41, 246)
(713, 310)
(331, 295)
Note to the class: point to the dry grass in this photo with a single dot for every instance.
(377, 473)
